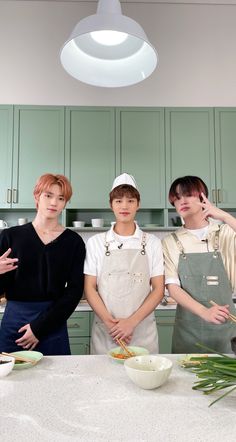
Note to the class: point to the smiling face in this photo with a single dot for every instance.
(125, 208)
(51, 202)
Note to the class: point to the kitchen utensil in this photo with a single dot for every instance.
(127, 351)
(33, 357)
(19, 358)
(148, 371)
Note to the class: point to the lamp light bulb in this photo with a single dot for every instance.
(109, 38)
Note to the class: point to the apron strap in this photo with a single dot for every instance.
(143, 245)
(106, 245)
(179, 245)
(216, 243)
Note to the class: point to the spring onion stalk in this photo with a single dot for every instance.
(215, 372)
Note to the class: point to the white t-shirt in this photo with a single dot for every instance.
(95, 250)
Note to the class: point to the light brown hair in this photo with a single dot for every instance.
(47, 180)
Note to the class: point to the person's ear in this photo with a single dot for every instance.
(36, 200)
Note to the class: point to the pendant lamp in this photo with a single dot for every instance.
(108, 49)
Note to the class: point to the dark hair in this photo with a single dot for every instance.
(187, 185)
(124, 190)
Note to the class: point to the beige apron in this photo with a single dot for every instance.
(123, 286)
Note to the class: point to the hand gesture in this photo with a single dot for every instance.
(7, 264)
(209, 210)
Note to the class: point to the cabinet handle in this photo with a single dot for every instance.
(213, 196)
(15, 196)
(8, 195)
(219, 196)
(75, 325)
(165, 323)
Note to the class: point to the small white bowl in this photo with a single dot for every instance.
(97, 222)
(148, 371)
(78, 224)
(7, 367)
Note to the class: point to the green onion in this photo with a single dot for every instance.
(214, 372)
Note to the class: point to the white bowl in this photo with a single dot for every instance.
(97, 222)
(148, 371)
(6, 368)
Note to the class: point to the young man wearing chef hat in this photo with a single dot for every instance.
(124, 279)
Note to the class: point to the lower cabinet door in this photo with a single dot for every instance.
(79, 346)
(165, 325)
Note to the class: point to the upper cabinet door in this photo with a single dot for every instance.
(140, 151)
(90, 155)
(6, 140)
(225, 127)
(38, 149)
(190, 145)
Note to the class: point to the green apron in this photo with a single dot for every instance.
(204, 278)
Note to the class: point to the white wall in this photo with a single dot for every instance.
(196, 45)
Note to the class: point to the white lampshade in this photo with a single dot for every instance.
(109, 49)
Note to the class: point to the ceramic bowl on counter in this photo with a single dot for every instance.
(6, 365)
(148, 371)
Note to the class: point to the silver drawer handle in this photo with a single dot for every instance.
(75, 325)
(15, 196)
(8, 195)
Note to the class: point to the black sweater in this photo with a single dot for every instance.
(51, 272)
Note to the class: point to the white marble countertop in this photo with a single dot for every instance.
(90, 398)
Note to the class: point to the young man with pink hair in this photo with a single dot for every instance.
(46, 282)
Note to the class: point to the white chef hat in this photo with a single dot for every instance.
(124, 178)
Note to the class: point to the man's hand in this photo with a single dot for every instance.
(7, 264)
(123, 329)
(28, 340)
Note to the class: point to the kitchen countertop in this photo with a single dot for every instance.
(85, 307)
(90, 398)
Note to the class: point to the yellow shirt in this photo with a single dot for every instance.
(191, 244)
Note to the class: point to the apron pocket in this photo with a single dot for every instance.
(120, 284)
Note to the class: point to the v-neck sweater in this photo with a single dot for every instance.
(46, 272)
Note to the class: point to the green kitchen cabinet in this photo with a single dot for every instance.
(165, 320)
(78, 326)
(190, 145)
(38, 149)
(6, 144)
(225, 141)
(90, 155)
(140, 151)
